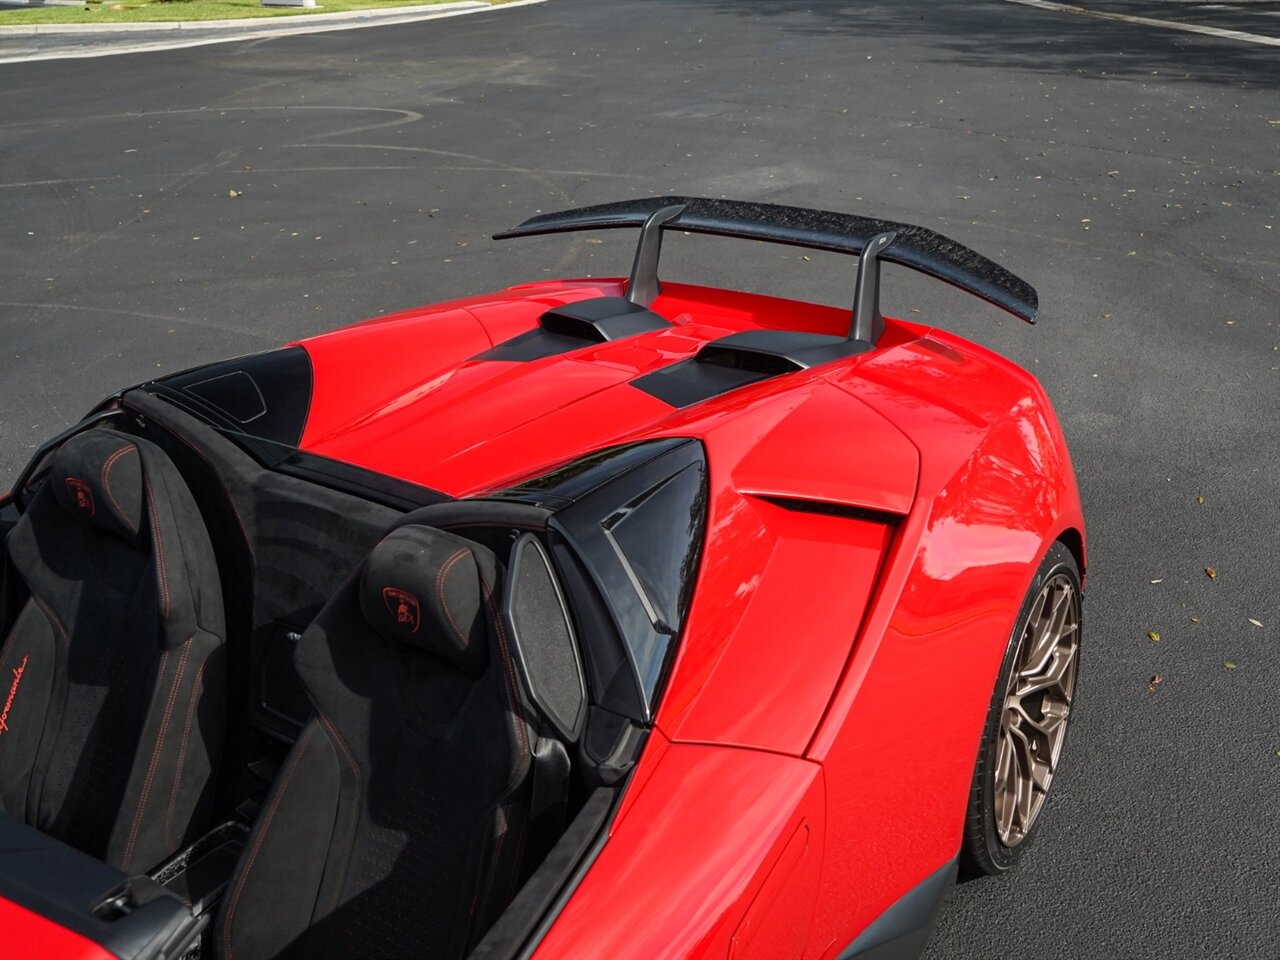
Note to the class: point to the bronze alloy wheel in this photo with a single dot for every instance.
(1026, 723)
(1037, 705)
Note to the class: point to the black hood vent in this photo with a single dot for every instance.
(574, 325)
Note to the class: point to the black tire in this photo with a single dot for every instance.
(982, 852)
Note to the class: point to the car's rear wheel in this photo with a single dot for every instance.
(1027, 722)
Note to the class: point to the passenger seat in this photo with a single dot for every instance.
(111, 677)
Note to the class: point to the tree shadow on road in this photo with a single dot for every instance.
(1011, 36)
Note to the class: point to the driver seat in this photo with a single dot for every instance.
(399, 823)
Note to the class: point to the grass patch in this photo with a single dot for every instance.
(144, 11)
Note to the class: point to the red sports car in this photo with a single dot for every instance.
(591, 618)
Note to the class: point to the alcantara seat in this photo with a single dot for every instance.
(112, 671)
(399, 823)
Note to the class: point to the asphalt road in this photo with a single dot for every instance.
(1128, 172)
(1249, 16)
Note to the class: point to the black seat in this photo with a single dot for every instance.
(399, 823)
(112, 672)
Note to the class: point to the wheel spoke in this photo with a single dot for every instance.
(1048, 632)
(1050, 724)
(1039, 641)
(1050, 677)
(1024, 778)
(1036, 709)
(1004, 783)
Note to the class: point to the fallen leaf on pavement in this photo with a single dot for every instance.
(1199, 499)
(1256, 623)
(1213, 574)
(1230, 665)
(1155, 682)
(1153, 635)
(1195, 619)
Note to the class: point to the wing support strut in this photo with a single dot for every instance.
(867, 323)
(644, 285)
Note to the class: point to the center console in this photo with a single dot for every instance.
(155, 917)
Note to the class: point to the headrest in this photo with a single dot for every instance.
(97, 478)
(433, 590)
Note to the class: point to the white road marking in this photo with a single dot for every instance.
(1151, 22)
(189, 34)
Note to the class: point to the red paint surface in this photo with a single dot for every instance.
(781, 650)
(819, 649)
(691, 855)
(28, 936)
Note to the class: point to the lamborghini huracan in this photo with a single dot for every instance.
(589, 618)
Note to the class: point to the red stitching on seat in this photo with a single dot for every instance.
(262, 835)
(444, 604)
(7, 647)
(231, 501)
(155, 752)
(512, 690)
(196, 688)
(53, 618)
(348, 755)
(106, 484)
(158, 539)
(514, 695)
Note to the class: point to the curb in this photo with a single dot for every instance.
(258, 26)
(46, 29)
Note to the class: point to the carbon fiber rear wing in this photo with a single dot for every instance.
(911, 246)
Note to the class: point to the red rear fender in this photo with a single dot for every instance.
(734, 836)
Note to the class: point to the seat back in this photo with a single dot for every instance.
(111, 717)
(398, 823)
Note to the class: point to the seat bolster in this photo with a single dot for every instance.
(186, 571)
(271, 898)
(29, 659)
(504, 840)
(170, 789)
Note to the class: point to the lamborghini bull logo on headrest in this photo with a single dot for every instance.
(403, 606)
(81, 494)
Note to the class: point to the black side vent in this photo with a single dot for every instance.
(575, 325)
